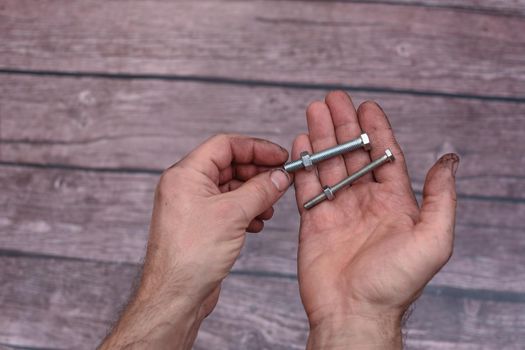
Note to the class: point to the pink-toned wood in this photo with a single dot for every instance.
(128, 130)
(354, 43)
(152, 124)
(104, 216)
(495, 7)
(44, 307)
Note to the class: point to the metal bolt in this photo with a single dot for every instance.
(308, 160)
(329, 192)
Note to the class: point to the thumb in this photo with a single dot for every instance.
(261, 191)
(438, 211)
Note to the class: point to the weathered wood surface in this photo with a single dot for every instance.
(494, 7)
(80, 155)
(104, 216)
(357, 44)
(39, 295)
(151, 124)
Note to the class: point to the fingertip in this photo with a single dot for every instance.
(251, 150)
(445, 168)
(284, 154)
(370, 105)
(280, 179)
(440, 179)
(301, 144)
(449, 161)
(335, 96)
(255, 226)
(315, 108)
(267, 214)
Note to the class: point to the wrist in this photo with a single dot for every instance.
(156, 321)
(360, 332)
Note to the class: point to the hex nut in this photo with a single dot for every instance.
(307, 161)
(389, 155)
(366, 142)
(328, 193)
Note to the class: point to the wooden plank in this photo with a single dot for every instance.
(104, 216)
(42, 306)
(151, 124)
(58, 304)
(357, 44)
(497, 7)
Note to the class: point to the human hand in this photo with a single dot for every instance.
(367, 255)
(203, 207)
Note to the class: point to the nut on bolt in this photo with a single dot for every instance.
(329, 193)
(307, 161)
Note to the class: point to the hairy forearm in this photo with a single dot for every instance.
(363, 333)
(149, 323)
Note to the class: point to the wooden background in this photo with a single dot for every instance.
(97, 97)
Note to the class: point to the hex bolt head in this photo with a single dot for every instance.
(366, 142)
(307, 161)
(389, 155)
(328, 193)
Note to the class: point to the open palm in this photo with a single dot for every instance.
(371, 250)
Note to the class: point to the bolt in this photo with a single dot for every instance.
(329, 192)
(308, 160)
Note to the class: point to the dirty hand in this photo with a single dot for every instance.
(366, 256)
(203, 207)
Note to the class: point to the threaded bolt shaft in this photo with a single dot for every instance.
(387, 157)
(361, 141)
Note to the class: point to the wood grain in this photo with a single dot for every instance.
(104, 216)
(356, 44)
(150, 125)
(80, 154)
(56, 304)
(253, 312)
(496, 7)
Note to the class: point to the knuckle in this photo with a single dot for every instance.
(221, 137)
(452, 197)
(447, 196)
(168, 181)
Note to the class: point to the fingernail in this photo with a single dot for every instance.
(280, 179)
(452, 161)
(455, 166)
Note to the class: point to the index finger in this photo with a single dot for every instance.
(220, 151)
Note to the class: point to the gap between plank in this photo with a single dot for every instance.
(489, 11)
(157, 172)
(433, 290)
(262, 83)
(22, 347)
